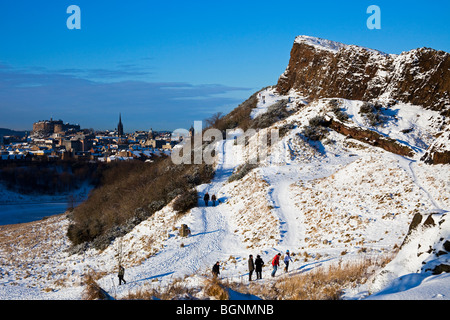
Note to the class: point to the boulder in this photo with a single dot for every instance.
(185, 231)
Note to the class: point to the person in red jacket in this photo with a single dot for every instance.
(275, 263)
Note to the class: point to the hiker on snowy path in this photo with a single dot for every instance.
(258, 266)
(215, 270)
(287, 258)
(251, 267)
(275, 264)
(121, 275)
(206, 198)
(213, 199)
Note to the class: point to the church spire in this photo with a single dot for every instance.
(120, 126)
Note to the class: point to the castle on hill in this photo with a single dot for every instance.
(48, 127)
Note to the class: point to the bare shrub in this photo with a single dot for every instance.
(275, 113)
(316, 129)
(93, 291)
(372, 113)
(214, 288)
(186, 201)
(241, 171)
(130, 193)
(336, 109)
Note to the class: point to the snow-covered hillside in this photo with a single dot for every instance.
(347, 169)
(331, 200)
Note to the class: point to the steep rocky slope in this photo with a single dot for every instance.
(321, 68)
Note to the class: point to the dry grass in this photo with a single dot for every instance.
(252, 212)
(28, 249)
(176, 290)
(346, 211)
(216, 289)
(92, 290)
(322, 283)
(212, 288)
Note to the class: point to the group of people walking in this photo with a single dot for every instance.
(253, 266)
(257, 264)
(276, 262)
(206, 199)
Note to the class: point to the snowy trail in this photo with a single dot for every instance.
(291, 224)
(218, 232)
(408, 166)
(210, 239)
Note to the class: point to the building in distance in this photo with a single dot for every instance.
(49, 127)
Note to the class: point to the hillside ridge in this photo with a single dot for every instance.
(320, 68)
(342, 182)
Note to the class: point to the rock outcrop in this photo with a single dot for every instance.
(321, 68)
(425, 249)
(371, 137)
(439, 151)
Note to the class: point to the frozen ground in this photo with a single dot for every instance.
(339, 200)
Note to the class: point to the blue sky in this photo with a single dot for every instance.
(166, 64)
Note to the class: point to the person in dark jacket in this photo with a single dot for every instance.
(213, 199)
(258, 266)
(121, 275)
(251, 267)
(215, 270)
(206, 198)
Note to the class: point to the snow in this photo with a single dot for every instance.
(335, 200)
(268, 97)
(321, 44)
(328, 45)
(416, 286)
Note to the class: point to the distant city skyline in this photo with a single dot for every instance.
(164, 65)
(112, 129)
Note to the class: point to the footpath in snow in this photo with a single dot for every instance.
(318, 200)
(211, 239)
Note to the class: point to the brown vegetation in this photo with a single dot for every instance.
(129, 193)
(186, 201)
(175, 290)
(214, 288)
(92, 291)
(49, 177)
(321, 283)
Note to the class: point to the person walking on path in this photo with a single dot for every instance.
(215, 270)
(121, 275)
(213, 199)
(275, 264)
(251, 267)
(287, 258)
(258, 267)
(206, 198)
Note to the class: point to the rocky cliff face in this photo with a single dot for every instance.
(439, 151)
(321, 68)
